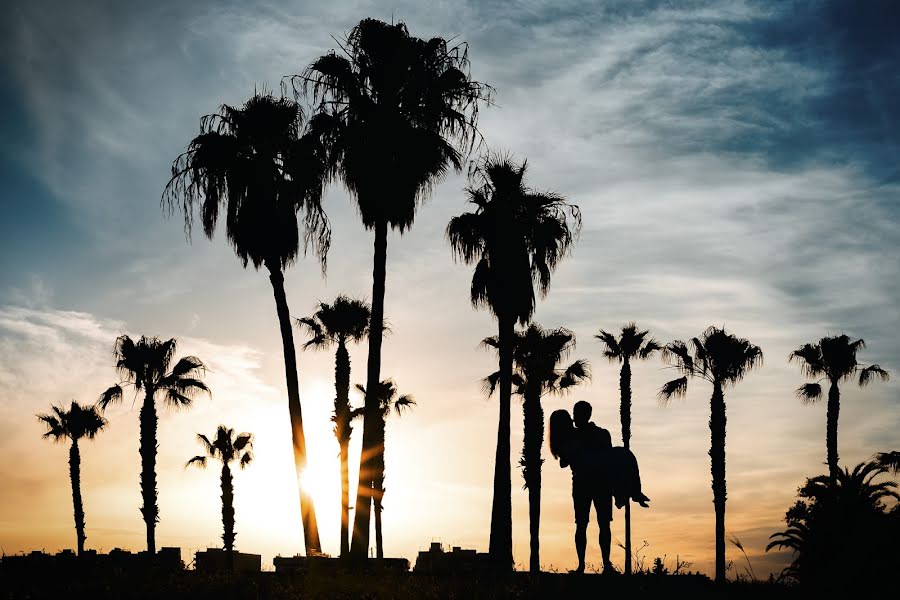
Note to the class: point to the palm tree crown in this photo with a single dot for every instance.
(395, 112)
(346, 320)
(254, 162)
(833, 358)
(145, 365)
(225, 447)
(73, 424)
(716, 356)
(537, 353)
(516, 236)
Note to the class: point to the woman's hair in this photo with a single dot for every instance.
(560, 431)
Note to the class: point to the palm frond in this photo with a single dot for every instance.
(809, 392)
(197, 461)
(405, 402)
(110, 396)
(489, 383)
(677, 388)
(649, 348)
(872, 372)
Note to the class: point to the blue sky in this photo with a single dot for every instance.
(736, 162)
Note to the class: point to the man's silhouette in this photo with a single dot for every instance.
(591, 484)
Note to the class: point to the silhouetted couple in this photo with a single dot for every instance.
(599, 473)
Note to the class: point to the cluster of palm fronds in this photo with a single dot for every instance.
(841, 530)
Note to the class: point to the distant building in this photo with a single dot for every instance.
(436, 561)
(215, 560)
(167, 559)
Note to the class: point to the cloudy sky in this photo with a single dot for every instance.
(736, 163)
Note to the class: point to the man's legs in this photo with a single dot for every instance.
(581, 544)
(605, 544)
(603, 506)
(581, 499)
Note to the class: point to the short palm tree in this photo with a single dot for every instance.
(832, 359)
(836, 516)
(721, 359)
(387, 398)
(537, 353)
(346, 320)
(516, 237)
(254, 164)
(226, 448)
(146, 364)
(74, 424)
(397, 113)
(632, 344)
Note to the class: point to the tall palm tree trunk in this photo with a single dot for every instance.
(533, 416)
(150, 510)
(342, 432)
(831, 429)
(501, 508)
(625, 416)
(228, 514)
(307, 509)
(378, 492)
(717, 459)
(75, 476)
(361, 519)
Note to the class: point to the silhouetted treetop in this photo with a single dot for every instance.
(255, 163)
(392, 103)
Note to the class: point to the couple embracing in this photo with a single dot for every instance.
(600, 472)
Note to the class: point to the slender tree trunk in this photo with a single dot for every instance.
(831, 433)
(717, 459)
(228, 515)
(149, 494)
(501, 508)
(75, 476)
(625, 416)
(307, 508)
(361, 522)
(342, 431)
(533, 415)
(378, 491)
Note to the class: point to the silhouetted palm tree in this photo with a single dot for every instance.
(145, 365)
(76, 423)
(396, 112)
(890, 461)
(631, 344)
(833, 359)
(226, 448)
(516, 237)
(841, 530)
(254, 163)
(347, 320)
(721, 359)
(386, 393)
(537, 353)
